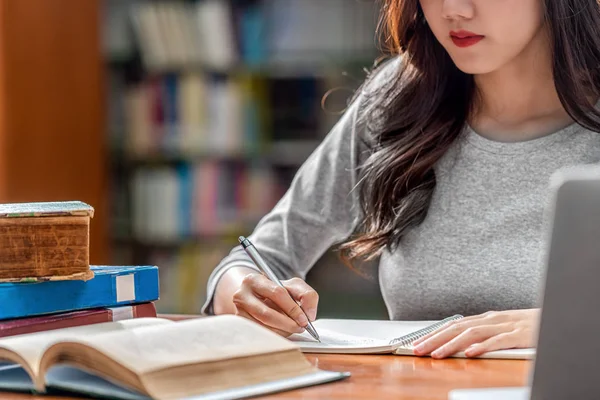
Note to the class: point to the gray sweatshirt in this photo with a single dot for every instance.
(479, 248)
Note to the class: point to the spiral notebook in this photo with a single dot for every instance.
(348, 336)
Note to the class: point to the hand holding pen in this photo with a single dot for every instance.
(285, 307)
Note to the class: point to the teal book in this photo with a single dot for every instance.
(111, 286)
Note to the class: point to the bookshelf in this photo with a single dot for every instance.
(213, 106)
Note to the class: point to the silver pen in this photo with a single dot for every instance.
(260, 263)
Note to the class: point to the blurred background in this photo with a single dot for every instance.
(181, 122)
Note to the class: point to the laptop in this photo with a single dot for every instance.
(567, 362)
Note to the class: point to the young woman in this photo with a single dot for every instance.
(439, 170)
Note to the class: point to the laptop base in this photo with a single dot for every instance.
(510, 393)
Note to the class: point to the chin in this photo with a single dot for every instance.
(474, 67)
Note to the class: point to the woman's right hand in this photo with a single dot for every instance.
(262, 301)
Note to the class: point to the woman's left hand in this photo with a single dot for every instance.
(481, 333)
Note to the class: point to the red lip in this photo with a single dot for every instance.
(464, 38)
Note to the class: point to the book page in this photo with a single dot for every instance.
(192, 341)
(31, 346)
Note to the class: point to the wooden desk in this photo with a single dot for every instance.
(388, 377)
(408, 378)
(393, 377)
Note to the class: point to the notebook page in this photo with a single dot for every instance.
(375, 329)
(383, 330)
(367, 336)
(360, 336)
(336, 339)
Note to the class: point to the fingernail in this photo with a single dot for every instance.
(470, 350)
(419, 349)
(312, 314)
(302, 321)
(439, 353)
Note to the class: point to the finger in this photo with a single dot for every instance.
(247, 301)
(243, 313)
(264, 288)
(272, 305)
(443, 336)
(504, 340)
(306, 295)
(461, 321)
(469, 337)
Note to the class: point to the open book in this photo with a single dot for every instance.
(349, 336)
(215, 357)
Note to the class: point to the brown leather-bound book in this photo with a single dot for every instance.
(45, 241)
(69, 319)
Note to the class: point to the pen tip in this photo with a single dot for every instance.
(241, 239)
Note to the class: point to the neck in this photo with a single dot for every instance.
(519, 101)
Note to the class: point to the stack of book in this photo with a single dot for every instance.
(46, 280)
(100, 344)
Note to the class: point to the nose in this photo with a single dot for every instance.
(458, 9)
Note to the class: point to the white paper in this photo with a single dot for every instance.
(513, 393)
(125, 288)
(331, 338)
(348, 336)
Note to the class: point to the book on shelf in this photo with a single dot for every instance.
(45, 241)
(190, 114)
(189, 117)
(218, 168)
(111, 286)
(221, 35)
(68, 319)
(220, 357)
(171, 203)
(319, 31)
(172, 33)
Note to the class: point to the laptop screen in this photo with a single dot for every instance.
(567, 364)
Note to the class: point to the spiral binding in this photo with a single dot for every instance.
(411, 337)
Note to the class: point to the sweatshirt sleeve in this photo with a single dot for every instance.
(320, 208)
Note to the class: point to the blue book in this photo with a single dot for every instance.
(170, 107)
(111, 286)
(253, 30)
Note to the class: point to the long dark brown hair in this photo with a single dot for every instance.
(416, 116)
